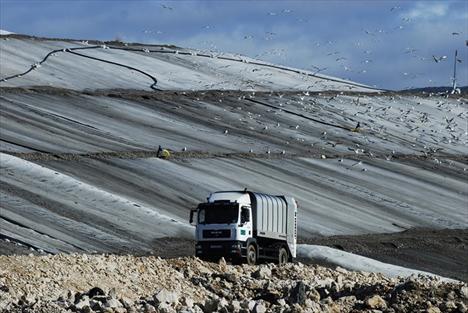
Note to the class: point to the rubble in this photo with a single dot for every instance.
(111, 283)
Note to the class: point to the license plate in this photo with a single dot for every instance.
(216, 246)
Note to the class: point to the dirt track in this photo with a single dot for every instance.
(141, 154)
(443, 252)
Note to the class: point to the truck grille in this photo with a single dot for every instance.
(216, 233)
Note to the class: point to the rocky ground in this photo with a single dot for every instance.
(110, 283)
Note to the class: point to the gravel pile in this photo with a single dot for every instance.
(110, 283)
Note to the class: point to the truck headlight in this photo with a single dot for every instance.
(198, 246)
(236, 246)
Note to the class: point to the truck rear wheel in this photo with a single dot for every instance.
(251, 255)
(283, 256)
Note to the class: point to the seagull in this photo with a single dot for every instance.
(410, 50)
(438, 59)
(166, 7)
(318, 70)
(184, 149)
(226, 131)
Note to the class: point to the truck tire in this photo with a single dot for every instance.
(251, 255)
(283, 256)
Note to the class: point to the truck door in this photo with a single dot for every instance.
(245, 225)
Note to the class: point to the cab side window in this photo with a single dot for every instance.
(245, 215)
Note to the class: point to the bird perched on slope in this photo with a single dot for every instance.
(357, 128)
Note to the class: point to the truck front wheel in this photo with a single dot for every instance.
(251, 255)
(283, 256)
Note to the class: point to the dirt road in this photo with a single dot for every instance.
(443, 252)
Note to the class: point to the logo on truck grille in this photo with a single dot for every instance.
(216, 233)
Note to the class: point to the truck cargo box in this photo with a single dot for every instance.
(270, 215)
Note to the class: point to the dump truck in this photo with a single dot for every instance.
(246, 227)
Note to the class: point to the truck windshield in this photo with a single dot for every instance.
(218, 213)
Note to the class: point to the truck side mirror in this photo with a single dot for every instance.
(191, 216)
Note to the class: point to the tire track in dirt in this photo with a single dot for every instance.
(187, 155)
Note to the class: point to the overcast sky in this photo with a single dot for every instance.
(389, 44)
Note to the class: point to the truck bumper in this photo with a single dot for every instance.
(217, 249)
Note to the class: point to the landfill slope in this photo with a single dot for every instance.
(79, 140)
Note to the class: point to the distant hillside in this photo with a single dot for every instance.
(463, 89)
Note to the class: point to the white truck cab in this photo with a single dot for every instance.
(246, 226)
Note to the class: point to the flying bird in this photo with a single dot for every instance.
(166, 7)
(318, 70)
(438, 59)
